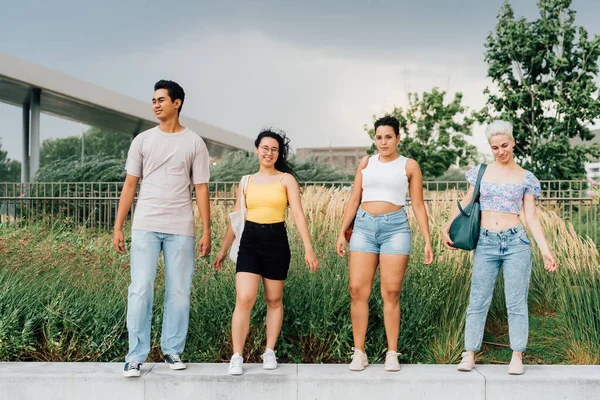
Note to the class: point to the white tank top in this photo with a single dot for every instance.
(385, 181)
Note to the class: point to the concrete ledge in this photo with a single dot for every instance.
(548, 382)
(410, 383)
(65, 381)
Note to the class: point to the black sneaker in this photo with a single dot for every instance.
(132, 368)
(174, 361)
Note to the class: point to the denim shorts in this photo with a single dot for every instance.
(381, 234)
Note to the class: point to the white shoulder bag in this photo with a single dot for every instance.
(238, 220)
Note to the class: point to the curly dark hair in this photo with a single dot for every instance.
(282, 164)
(388, 120)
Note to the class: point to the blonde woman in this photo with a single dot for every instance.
(506, 190)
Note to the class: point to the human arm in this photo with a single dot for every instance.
(535, 226)
(415, 186)
(293, 194)
(125, 202)
(351, 207)
(229, 234)
(203, 204)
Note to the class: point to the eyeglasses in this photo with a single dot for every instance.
(266, 149)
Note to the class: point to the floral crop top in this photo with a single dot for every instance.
(504, 197)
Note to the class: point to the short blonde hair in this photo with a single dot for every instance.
(499, 127)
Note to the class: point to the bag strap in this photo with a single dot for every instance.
(245, 180)
(476, 192)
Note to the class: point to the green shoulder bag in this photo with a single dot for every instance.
(464, 230)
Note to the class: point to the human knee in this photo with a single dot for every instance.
(274, 301)
(390, 294)
(359, 292)
(245, 300)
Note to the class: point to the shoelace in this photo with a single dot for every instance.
(175, 358)
(237, 361)
(269, 356)
(134, 365)
(355, 352)
(392, 354)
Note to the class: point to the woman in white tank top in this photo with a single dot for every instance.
(382, 236)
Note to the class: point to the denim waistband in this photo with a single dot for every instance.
(515, 230)
(256, 225)
(362, 212)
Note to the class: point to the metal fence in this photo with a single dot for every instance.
(94, 204)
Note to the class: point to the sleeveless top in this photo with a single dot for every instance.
(504, 197)
(266, 203)
(385, 181)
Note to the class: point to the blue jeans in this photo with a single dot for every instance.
(178, 253)
(510, 250)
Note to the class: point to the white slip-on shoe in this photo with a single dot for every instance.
(391, 361)
(269, 359)
(359, 360)
(467, 363)
(516, 366)
(235, 365)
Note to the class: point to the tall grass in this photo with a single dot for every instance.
(63, 296)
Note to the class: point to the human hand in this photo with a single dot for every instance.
(204, 245)
(119, 241)
(311, 260)
(219, 260)
(340, 246)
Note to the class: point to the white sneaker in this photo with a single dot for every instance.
(516, 366)
(174, 362)
(235, 365)
(391, 361)
(467, 363)
(269, 359)
(359, 360)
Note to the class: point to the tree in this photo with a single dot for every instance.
(10, 170)
(433, 133)
(544, 71)
(236, 164)
(97, 142)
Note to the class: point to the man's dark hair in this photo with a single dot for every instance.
(175, 91)
(388, 120)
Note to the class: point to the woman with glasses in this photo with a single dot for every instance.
(264, 252)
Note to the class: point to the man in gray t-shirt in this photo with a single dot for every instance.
(170, 160)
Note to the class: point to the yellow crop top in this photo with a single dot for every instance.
(266, 203)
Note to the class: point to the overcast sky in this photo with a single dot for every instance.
(317, 69)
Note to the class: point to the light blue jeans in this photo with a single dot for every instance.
(178, 253)
(510, 250)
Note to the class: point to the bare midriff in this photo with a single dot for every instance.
(380, 207)
(499, 221)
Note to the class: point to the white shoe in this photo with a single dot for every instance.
(516, 366)
(391, 361)
(269, 359)
(359, 360)
(174, 362)
(467, 363)
(132, 369)
(235, 365)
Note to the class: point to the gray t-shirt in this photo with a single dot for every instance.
(169, 164)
